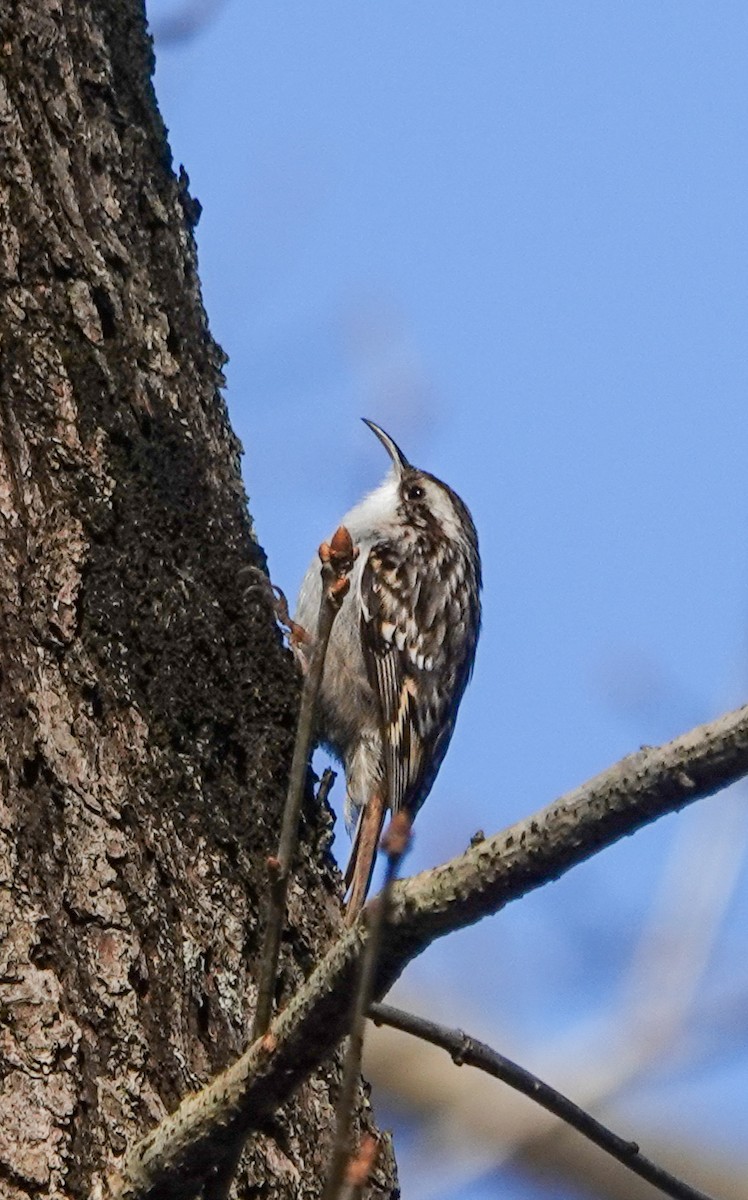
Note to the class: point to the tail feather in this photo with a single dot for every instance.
(360, 867)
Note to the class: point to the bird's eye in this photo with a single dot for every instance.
(414, 492)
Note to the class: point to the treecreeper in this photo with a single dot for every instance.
(401, 650)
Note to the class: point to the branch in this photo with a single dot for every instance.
(337, 560)
(395, 844)
(485, 1127)
(469, 1051)
(171, 1160)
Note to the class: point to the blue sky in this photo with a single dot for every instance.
(515, 235)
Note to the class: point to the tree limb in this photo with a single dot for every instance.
(395, 844)
(465, 1050)
(171, 1161)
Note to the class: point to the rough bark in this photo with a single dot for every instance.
(146, 705)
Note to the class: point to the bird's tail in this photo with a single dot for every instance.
(363, 854)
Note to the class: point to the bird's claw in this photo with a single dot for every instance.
(297, 635)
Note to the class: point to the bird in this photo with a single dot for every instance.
(401, 651)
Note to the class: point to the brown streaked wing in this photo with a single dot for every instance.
(383, 620)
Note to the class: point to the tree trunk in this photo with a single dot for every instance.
(147, 707)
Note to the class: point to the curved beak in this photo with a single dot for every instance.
(399, 461)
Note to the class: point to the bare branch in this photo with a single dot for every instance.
(473, 1129)
(337, 560)
(642, 787)
(469, 1051)
(395, 843)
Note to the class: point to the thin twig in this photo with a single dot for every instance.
(469, 1051)
(172, 1160)
(395, 845)
(337, 560)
